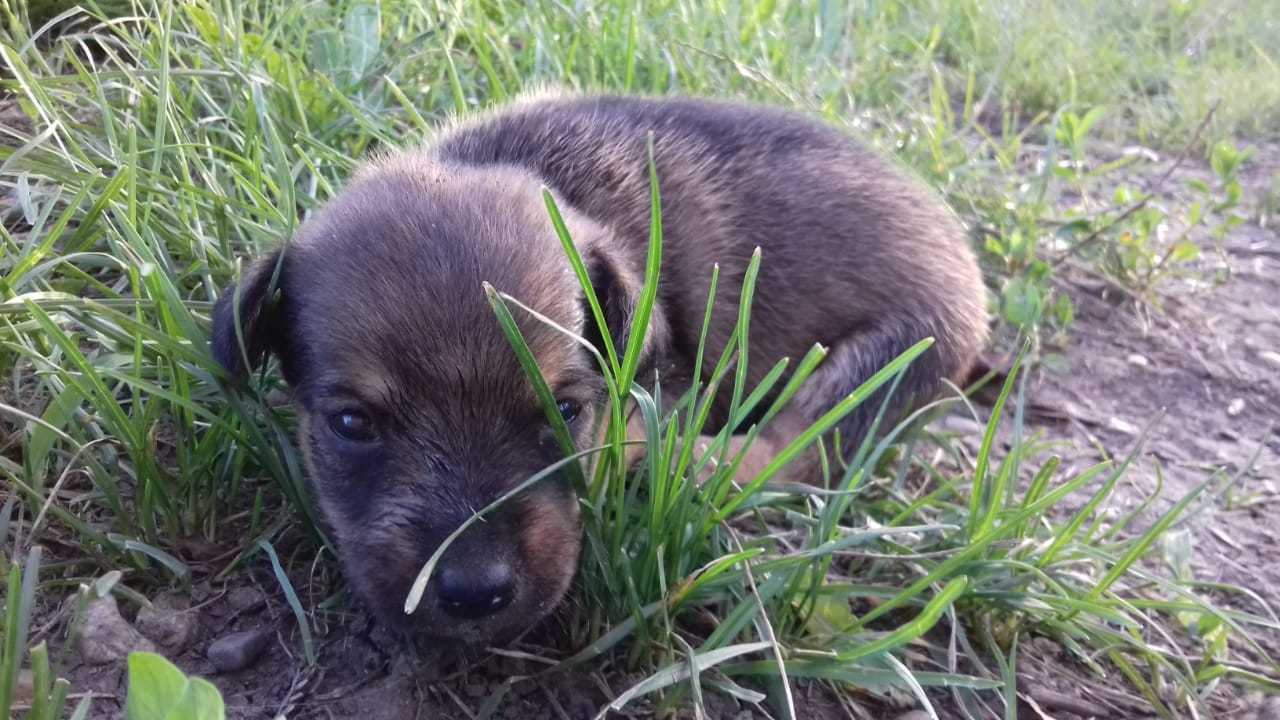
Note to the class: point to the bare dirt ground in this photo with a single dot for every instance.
(364, 672)
(1204, 374)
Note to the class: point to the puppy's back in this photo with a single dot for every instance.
(850, 242)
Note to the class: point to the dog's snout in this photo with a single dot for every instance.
(476, 590)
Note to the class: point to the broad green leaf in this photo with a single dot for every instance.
(361, 33)
(1185, 251)
(160, 691)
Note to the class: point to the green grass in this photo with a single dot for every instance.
(48, 693)
(169, 143)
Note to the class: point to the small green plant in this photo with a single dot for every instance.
(1134, 240)
(1140, 256)
(160, 691)
(48, 693)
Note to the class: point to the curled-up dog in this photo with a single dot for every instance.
(413, 410)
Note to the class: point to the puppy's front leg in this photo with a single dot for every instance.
(757, 455)
(848, 365)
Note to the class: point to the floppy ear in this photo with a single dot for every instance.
(618, 286)
(253, 305)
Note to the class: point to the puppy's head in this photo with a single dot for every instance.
(413, 409)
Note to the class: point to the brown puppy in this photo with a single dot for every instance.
(413, 410)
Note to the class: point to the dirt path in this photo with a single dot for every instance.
(1207, 373)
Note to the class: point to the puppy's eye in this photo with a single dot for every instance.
(352, 425)
(569, 411)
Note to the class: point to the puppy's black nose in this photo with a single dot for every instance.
(476, 590)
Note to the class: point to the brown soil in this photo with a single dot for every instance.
(362, 671)
(1204, 373)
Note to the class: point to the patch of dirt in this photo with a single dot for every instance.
(1205, 375)
(362, 671)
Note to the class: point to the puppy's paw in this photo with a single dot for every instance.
(754, 457)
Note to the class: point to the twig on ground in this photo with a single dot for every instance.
(1052, 700)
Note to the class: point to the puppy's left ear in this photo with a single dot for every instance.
(247, 313)
(618, 284)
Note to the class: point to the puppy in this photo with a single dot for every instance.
(413, 410)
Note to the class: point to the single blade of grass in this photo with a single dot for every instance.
(675, 673)
(534, 373)
(923, 622)
(981, 518)
(909, 680)
(20, 602)
(584, 280)
(180, 570)
(649, 292)
(291, 596)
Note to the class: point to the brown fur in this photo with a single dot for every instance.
(381, 309)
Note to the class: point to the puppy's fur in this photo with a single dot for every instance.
(380, 323)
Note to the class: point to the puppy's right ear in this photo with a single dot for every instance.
(617, 285)
(247, 313)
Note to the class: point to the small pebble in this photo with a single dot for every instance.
(1270, 357)
(1270, 709)
(1139, 360)
(244, 599)
(1235, 407)
(1122, 426)
(106, 637)
(168, 621)
(239, 650)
